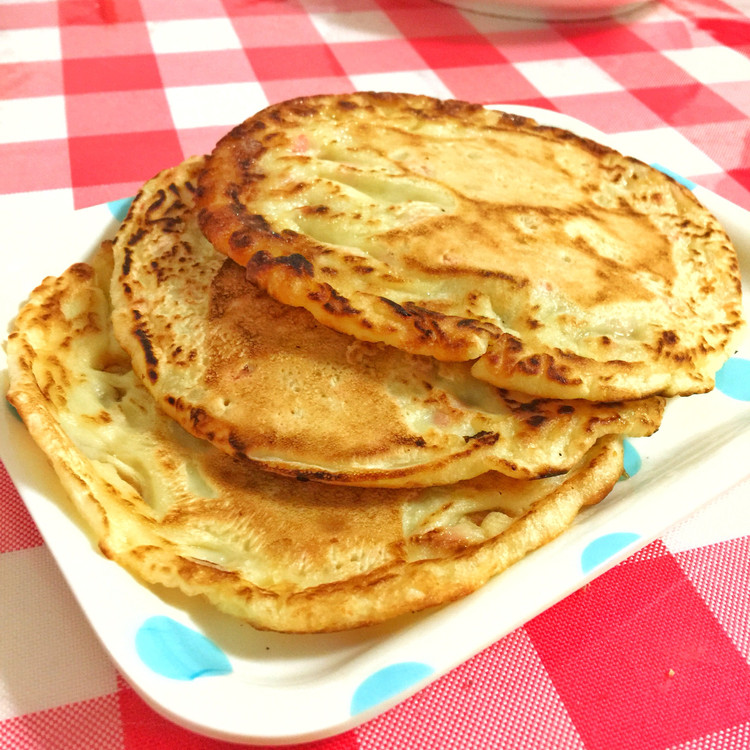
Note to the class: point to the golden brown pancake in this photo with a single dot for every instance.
(558, 266)
(265, 380)
(282, 554)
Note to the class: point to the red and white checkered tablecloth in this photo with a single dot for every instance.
(98, 95)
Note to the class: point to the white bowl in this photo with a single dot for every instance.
(550, 10)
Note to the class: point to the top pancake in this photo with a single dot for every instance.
(266, 381)
(282, 554)
(556, 265)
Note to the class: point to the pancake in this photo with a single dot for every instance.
(281, 554)
(556, 265)
(265, 380)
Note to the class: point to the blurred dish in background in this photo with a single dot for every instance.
(551, 10)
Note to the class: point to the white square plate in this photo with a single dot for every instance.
(282, 689)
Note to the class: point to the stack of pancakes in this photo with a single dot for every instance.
(368, 353)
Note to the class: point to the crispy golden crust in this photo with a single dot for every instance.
(264, 380)
(556, 265)
(282, 554)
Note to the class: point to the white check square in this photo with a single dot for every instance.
(30, 45)
(712, 64)
(65, 643)
(358, 26)
(193, 35)
(40, 118)
(668, 148)
(424, 82)
(567, 77)
(220, 104)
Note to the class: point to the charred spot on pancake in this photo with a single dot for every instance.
(337, 304)
(667, 339)
(416, 440)
(561, 374)
(426, 322)
(127, 261)
(346, 104)
(136, 236)
(483, 437)
(531, 365)
(239, 446)
(402, 311)
(148, 351)
(295, 262)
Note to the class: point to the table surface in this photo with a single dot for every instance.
(96, 96)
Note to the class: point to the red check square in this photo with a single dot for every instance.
(27, 79)
(275, 30)
(382, 56)
(128, 111)
(690, 104)
(643, 70)
(730, 32)
(123, 73)
(126, 38)
(98, 12)
(488, 84)
(736, 93)
(734, 186)
(29, 15)
(720, 573)
(279, 91)
(610, 111)
(91, 723)
(432, 19)
(18, 530)
(640, 660)
(725, 143)
(18, 174)
(158, 10)
(673, 35)
(205, 68)
(456, 52)
(309, 60)
(535, 44)
(603, 39)
(122, 157)
(492, 701)
(236, 8)
(742, 176)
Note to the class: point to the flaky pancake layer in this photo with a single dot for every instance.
(265, 380)
(282, 554)
(554, 264)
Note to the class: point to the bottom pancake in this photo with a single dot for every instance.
(279, 553)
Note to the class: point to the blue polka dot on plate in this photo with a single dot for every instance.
(631, 459)
(119, 209)
(733, 379)
(604, 547)
(677, 177)
(174, 650)
(386, 683)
